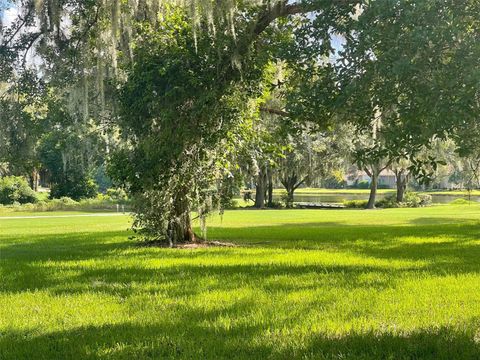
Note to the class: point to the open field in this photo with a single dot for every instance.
(303, 284)
(455, 192)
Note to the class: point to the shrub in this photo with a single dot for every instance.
(28, 207)
(389, 201)
(383, 186)
(100, 203)
(364, 184)
(461, 201)
(277, 205)
(413, 199)
(15, 189)
(64, 203)
(231, 204)
(355, 204)
(75, 188)
(410, 199)
(286, 200)
(117, 194)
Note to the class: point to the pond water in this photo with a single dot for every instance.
(339, 198)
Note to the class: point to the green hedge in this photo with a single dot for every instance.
(112, 201)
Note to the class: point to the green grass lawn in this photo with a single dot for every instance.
(303, 284)
(455, 192)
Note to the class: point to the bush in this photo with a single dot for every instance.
(355, 204)
(285, 200)
(117, 194)
(461, 201)
(410, 199)
(75, 188)
(383, 186)
(413, 199)
(64, 203)
(364, 184)
(277, 205)
(15, 189)
(389, 201)
(100, 203)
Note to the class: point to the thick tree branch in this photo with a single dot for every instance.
(268, 14)
(300, 183)
(265, 18)
(274, 111)
(389, 162)
(32, 41)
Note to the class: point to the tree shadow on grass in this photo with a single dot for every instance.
(189, 333)
(317, 234)
(433, 220)
(184, 280)
(439, 344)
(69, 246)
(430, 242)
(187, 337)
(446, 249)
(22, 258)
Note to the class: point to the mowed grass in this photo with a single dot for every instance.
(303, 284)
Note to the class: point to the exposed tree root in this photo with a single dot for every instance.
(198, 243)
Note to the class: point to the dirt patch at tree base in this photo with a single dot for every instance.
(189, 245)
(205, 244)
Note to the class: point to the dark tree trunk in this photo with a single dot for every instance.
(373, 190)
(180, 227)
(270, 189)
(291, 183)
(288, 183)
(260, 189)
(290, 197)
(34, 178)
(401, 185)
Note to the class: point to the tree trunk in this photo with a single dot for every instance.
(290, 192)
(401, 185)
(37, 179)
(373, 190)
(270, 189)
(180, 227)
(260, 188)
(288, 183)
(34, 179)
